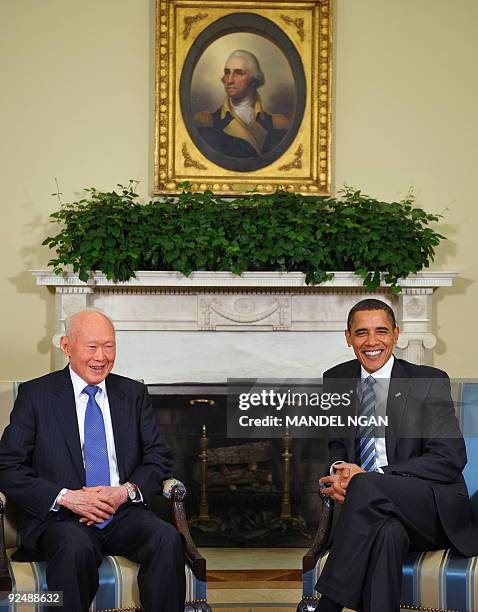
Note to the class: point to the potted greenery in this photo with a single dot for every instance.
(116, 234)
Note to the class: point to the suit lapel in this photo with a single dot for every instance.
(64, 407)
(120, 417)
(396, 403)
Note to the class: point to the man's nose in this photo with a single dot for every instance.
(99, 354)
(372, 339)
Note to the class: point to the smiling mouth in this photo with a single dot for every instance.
(374, 353)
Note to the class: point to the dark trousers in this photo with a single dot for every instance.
(74, 553)
(382, 518)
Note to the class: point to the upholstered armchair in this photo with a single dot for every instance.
(118, 590)
(435, 581)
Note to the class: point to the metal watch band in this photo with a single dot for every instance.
(132, 492)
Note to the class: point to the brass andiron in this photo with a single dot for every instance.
(203, 517)
(286, 517)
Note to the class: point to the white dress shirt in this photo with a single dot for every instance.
(381, 393)
(81, 401)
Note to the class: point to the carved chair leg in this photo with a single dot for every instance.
(307, 604)
(197, 606)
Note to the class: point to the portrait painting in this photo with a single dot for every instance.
(245, 98)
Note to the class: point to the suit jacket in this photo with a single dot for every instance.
(423, 440)
(231, 137)
(40, 449)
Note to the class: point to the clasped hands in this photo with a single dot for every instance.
(335, 486)
(94, 504)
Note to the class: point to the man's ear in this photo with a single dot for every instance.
(396, 333)
(347, 337)
(65, 345)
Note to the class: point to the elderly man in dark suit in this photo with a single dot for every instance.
(82, 458)
(401, 489)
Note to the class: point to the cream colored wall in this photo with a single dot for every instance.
(77, 104)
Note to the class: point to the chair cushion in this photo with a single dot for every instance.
(437, 579)
(118, 587)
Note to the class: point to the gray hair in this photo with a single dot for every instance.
(252, 64)
(70, 319)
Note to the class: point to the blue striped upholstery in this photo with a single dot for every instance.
(118, 586)
(439, 579)
(468, 405)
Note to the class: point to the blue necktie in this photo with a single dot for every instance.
(97, 466)
(365, 441)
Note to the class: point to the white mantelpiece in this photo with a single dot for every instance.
(172, 328)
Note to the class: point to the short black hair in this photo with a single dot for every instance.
(371, 304)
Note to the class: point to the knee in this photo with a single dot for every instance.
(167, 536)
(77, 550)
(393, 532)
(363, 488)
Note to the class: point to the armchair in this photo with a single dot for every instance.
(117, 591)
(435, 581)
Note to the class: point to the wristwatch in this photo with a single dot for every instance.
(132, 490)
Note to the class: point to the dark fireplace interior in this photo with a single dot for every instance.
(241, 492)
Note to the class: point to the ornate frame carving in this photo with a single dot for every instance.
(301, 160)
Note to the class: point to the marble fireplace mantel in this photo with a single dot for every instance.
(172, 328)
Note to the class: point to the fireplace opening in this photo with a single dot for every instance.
(241, 492)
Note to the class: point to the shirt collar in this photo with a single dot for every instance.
(228, 108)
(384, 372)
(79, 384)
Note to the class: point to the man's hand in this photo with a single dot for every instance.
(347, 471)
(92, 505)
(115, 496)
(338, 482)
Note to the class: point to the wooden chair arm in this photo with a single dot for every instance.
(195, 560)
(5, 579)
(319, 545)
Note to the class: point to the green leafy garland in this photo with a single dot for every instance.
(114, 233)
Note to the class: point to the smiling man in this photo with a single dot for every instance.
(398, 491)
(242, 127)
(83, 458)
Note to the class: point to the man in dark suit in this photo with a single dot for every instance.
(401, 489)
(82, 457)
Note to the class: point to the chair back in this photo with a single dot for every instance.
(8, 394)
(468, 411)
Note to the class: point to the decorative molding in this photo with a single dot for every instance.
(298, 23)
(259, 311)
(420, 281)
(189, 162)
(189, 21)
(297, 161)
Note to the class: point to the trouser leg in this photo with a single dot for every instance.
(157, 547)
(383, 580)
(372, 499)
(73, 554)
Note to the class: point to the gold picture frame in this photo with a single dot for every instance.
(200, 138)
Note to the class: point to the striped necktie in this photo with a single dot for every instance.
(97, 466)
(365, 440)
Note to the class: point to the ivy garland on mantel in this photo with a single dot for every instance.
(114, 233)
